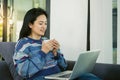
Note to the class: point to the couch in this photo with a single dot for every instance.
(8, 72)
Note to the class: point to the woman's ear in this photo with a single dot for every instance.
(30, 25)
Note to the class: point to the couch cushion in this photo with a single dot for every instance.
(4, 71)
(7, 51)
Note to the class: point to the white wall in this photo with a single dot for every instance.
(69, 25)
(118, 28)
(101, 29)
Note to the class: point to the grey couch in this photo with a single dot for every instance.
(8, 72)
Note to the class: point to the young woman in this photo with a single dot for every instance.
(35, 58)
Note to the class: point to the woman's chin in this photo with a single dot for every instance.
(41, 34)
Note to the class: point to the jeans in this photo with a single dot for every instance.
(86, 76)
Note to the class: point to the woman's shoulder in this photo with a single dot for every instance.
(22, 41)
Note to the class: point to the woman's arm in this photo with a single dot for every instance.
(61, 61)
(25, 63)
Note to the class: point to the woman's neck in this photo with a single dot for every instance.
(35, 37)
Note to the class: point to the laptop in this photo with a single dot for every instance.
(84, 64)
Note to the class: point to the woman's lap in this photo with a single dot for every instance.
(88, 76)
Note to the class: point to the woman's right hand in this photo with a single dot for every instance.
(47, 46)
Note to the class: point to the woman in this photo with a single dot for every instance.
(35, 58)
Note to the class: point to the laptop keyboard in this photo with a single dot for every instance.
(66, 75)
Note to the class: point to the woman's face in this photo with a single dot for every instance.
(39, 26)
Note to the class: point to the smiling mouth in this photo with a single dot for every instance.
(42, 31)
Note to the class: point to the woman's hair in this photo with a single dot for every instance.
(30, 17)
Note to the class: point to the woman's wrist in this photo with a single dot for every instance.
(57, 56)
(44, 50)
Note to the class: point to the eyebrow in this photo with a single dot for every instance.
(42, 21)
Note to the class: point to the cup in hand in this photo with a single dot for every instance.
(45, 41)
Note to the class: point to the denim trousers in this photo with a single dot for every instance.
(86, 76)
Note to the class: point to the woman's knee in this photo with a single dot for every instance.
(88, 76)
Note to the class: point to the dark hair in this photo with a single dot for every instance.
(30, 17)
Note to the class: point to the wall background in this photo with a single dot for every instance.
(69, 25)
(118, 28)
(101, 29)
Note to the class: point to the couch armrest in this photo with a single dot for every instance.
(4, 71)
(102, 70)
(70, 64)
(107, 71)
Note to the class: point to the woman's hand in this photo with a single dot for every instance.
(50, 45)
(56, 46)
(47, 46)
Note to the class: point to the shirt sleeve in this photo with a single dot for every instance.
(61, 60)
(26, 64)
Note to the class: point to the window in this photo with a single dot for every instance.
(15, 15)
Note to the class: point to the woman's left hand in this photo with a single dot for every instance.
(56, 46)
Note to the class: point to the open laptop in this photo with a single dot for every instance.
(84, 64)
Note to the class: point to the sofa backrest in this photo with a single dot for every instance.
(7, 51)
